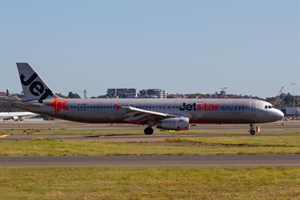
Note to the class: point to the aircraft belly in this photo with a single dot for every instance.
(94, 117)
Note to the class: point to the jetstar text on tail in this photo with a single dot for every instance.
(36, 88)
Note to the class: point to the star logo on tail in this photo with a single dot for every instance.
(58, 105)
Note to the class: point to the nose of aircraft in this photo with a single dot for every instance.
(277, 114)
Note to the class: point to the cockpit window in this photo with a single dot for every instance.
(269, 106)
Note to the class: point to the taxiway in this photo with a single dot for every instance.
(235, 161)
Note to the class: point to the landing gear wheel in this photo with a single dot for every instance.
(252, 130)
(148, 131)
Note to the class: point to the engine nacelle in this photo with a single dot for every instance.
(15, 118)
(174, 123)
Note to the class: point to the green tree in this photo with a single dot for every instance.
(73, 95)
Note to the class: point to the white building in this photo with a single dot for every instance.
(153, 93)
(291, 111)
(122, 93)
(135, 93)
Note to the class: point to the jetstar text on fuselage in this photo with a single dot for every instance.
(211, 107)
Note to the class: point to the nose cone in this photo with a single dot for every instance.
(277, 115)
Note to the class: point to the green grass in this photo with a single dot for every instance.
(175, 146)
(149, 183)
(246, 141)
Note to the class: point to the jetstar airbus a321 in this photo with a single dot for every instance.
(168, 114)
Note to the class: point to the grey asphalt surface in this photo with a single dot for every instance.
(129, 138)
(228, 161)
(67, 125)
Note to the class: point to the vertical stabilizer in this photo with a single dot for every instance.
(33, 86)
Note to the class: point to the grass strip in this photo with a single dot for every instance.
(176, 146)
(149, 183)
(247, 141)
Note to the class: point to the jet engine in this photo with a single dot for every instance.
(15, 118)
(174, 123)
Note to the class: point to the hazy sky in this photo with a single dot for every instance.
(184, 46)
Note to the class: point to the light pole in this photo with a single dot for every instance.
(294, 99)
(224, 89)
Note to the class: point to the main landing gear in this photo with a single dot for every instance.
(252, 129)
(148, 131)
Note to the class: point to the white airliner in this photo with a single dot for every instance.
(16, 116)
(168, 114)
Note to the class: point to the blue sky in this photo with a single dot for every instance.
(251, 47)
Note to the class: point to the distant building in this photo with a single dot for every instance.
(4, 94)
(153, 93)
(135, 93)
(7, 96)
(291, 111)
(220, 95)
(122, 93)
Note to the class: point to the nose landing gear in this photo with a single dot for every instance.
(252, 129)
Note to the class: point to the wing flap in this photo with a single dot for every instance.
(138, 110)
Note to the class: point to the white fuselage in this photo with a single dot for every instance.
(169, 114)
(17, 116)
(197, 110)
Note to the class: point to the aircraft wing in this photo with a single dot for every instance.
(27, 115)
(141, 116)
